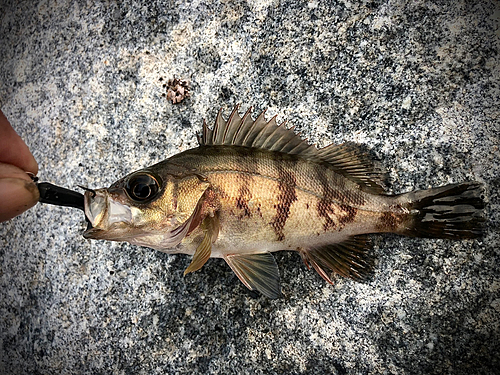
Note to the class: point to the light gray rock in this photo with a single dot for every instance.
(83, 84)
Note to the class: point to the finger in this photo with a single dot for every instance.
(13, 150)
(17, 191)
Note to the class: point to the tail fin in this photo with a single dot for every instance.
(451, 211)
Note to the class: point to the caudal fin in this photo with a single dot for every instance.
(451, 211)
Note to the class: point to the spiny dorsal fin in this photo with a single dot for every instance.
(347, 159)
(257, 272)
(259, 133)
(348, 258)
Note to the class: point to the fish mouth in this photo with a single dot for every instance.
(104, 214)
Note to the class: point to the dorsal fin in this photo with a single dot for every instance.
(347, 159)
(350, 160)
(259, 133)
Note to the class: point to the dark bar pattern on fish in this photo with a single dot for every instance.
(253, 187)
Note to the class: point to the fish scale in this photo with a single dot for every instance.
(288, 192)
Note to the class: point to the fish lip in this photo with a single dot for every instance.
(113, 234)
(90, 232)
(90, 216)
(95, 207)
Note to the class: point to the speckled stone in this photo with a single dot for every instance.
(84, 84)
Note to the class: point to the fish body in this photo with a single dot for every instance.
(272, 201)
(253, 187)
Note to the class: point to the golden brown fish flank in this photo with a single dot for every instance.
(253, 187)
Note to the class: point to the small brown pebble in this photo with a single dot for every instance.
(177, 90)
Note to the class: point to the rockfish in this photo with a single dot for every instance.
(253, 187)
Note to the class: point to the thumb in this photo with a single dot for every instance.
(17, 191)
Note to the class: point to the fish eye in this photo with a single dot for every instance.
(142, 187)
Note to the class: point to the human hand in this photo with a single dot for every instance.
(17, 191)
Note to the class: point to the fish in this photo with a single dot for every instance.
(253, 187)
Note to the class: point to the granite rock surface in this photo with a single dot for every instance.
(84, 84)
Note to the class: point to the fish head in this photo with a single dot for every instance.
(149, 207)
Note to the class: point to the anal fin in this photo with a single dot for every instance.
(211, 227)
(257, 272)
(348, 258)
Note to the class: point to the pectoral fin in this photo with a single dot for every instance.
(211, 227)
(257, 272)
